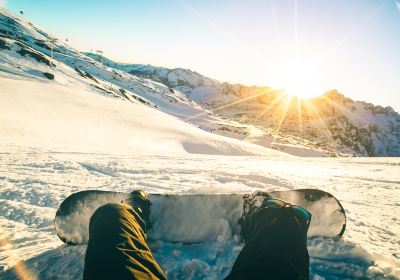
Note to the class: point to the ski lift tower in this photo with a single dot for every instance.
(52, 41)
(113, 77)
(99, 55)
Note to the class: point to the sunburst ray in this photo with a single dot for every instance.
(296, 32)
(344, 109)
(20, 269)
(223, 32)
(228, 105)
(300, 115)
(274, 102)
(372, 14)
(315, 111)
(282, 117)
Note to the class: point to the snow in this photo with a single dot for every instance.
(73, 118)
(35, 181)
(75, 133)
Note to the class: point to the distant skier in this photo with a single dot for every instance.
(275, 236)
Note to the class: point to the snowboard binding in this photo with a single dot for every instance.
(251, 203)
(140, 202)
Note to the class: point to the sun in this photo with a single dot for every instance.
(300, 78)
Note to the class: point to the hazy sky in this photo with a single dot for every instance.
(349, 45)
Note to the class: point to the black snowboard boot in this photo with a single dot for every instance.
(140, 202)
(275, 241)
(252, 203)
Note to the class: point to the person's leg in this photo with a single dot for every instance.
(276, 247)
(117, 247)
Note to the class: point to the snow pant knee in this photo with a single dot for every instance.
(276, 248)
(117, 247)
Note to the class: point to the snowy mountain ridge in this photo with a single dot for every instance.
(259, 115)
(331, 122)
(31, 58)
(30, 52)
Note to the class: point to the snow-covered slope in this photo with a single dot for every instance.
(328, 125)
(55, 103)
(57, 116)
(220, 118)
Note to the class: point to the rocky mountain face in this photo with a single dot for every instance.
(331, 123)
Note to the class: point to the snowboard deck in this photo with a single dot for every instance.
(196, 218)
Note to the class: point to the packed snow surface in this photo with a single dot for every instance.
(35, 181)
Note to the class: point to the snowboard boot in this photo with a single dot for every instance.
(259, 208)
(140, 202)
(275, 243)
(252, 203)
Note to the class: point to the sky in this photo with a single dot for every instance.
(307, 46)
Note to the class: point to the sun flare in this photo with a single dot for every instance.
(301, 79)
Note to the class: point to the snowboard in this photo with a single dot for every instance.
(197, 218)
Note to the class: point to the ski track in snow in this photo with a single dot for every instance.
(34, 182)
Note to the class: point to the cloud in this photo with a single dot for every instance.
(2, 3)
(398, 5)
